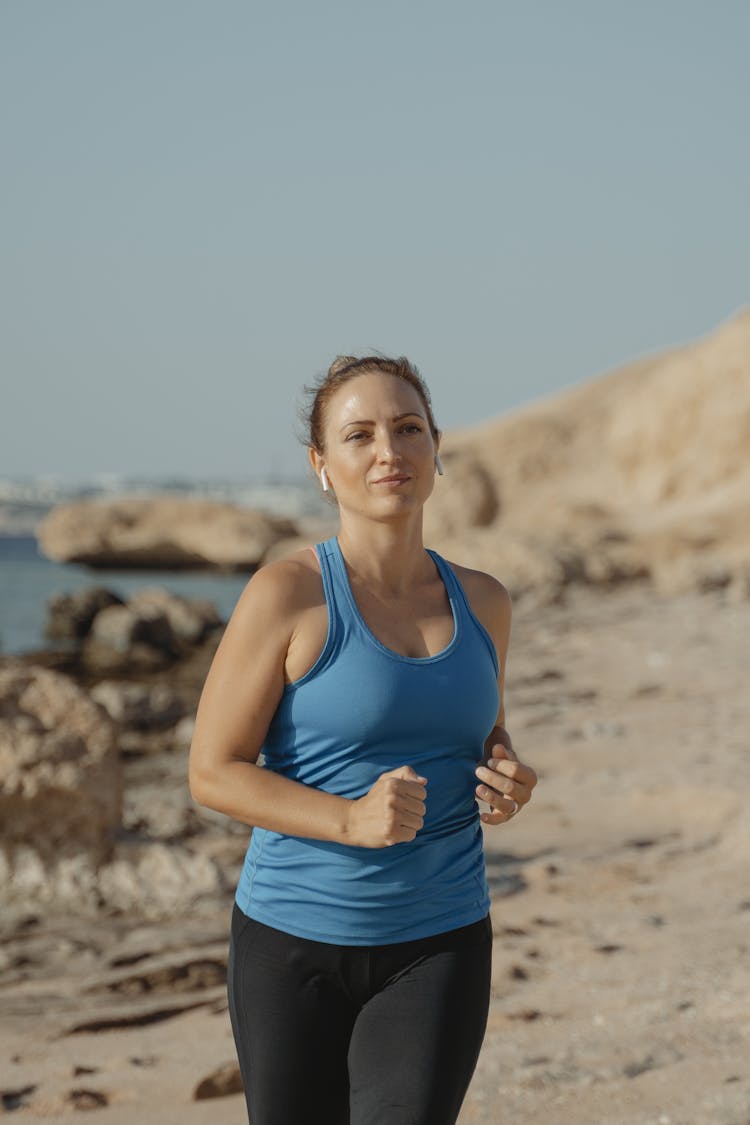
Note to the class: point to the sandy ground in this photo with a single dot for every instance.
(621, 908)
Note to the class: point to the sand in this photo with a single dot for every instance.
(621, 908)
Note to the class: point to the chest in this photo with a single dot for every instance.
(365, 708)
(414, 627)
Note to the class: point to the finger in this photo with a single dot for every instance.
(401, 835)
(499, 750)
(409, 820)
(511, 787)
(501, 809)
(407, 774)
(525, 775)
(411, 805)
(495, 817)
(399, 782)
(498, 801)
(413, 789)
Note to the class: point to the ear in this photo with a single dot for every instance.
(316, 460)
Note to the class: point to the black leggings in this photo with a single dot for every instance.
(357, 1035)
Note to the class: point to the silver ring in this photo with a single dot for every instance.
(515, 810)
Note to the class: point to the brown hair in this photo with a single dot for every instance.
(346, 367)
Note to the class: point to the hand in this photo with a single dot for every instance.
(391, 813)
(505, 780)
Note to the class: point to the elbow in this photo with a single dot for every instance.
(214, 785)
(198, 785)
(201, 771)
(195, 791)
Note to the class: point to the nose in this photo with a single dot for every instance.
(386, 450)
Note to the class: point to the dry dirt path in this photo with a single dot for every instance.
(621, 908)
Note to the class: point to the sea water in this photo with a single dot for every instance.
(28, 580)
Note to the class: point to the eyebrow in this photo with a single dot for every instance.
(396, 418)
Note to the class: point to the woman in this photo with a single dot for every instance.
(369, 671)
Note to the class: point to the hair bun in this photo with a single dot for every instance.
(340, 362)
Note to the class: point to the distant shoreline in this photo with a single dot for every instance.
(25, 502)
(28, 578)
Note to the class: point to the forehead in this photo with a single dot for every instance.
(372, 395)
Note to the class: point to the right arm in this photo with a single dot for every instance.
(241, 693)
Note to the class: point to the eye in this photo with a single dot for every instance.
(412, 427)
(355, 435)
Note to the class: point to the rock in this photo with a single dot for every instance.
(611, 558)
(692, 573)
(70, 615)
(66, 880)
(135, 743)
(526, 566)
(465, 497)
(183, 733)
(225, 1080)
(190, 620)
(143, 706)
(123, 638)
(640, 474)
(739, 589)
(162, 532)
(120, 627)
(160, 811)
(152, 631)
(686, 431)
(61, 790)
(155, 880)
(101, 660)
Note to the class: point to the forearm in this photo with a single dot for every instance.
(265, 799)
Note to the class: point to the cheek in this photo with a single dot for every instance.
(347, 464)
(425, 451)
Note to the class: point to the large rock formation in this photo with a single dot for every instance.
(640, 474)
(78, 832)
(142, 706)
(163, 532)
(152, 631)
(464, 498)
(61, 789)
(69, 616)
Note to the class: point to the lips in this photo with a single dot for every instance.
(397, 478)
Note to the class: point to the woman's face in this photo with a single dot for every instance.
(379, 450)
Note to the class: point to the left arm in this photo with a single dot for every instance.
(505, 783)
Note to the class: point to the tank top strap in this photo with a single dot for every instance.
(450, 581)
(464, 612)
(329, 561)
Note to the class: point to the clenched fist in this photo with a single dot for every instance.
(391, 812)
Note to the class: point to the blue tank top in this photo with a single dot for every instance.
(361, 710)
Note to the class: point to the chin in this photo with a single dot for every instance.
(398, 506)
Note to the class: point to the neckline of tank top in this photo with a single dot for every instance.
(452, 601)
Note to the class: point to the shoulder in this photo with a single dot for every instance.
(491, 604)
(485, 587)
(282, 589)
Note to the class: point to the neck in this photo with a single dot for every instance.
(387, 556)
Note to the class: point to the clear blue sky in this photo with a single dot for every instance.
(202, 203)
